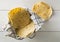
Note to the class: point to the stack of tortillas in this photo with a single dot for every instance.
(19, 18)
(21, 22)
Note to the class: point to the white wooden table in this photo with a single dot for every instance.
(50, 31)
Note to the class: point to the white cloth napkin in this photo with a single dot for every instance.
(37, 20)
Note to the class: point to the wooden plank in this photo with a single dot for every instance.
(40, 37)
(9, 4)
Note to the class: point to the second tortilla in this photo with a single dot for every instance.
(43, 10)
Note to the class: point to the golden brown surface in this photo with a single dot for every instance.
(43, 10)
(19, 17)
